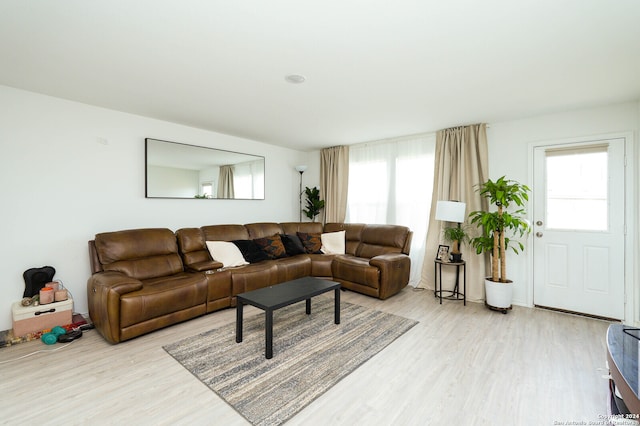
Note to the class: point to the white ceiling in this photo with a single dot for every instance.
(375, 68)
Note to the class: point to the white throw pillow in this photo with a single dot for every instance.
(227, 253)
(333, 242)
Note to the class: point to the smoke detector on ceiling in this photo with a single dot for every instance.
(295, 78)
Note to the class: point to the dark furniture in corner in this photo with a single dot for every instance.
(622, 357)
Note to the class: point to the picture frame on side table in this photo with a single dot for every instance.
(443, 253)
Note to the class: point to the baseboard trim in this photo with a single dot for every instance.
(579, 314)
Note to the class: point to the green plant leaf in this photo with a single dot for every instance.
(502, 193)
(313, 202)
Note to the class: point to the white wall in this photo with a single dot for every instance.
(509, 155)
(61, 185)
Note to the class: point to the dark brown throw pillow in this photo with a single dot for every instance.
(292, 244)
(250, 251)
(272, 246)
(311, 241)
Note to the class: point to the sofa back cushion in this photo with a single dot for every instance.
(262, 230)
(380, 239)
(192, 246)
(225, 232)
(290, 228)
(139, 253)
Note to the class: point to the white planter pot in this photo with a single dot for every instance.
(499, 295)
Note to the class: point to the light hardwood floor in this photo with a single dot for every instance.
(458, 366)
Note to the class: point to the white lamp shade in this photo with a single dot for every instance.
(450, 211)
(301, 169)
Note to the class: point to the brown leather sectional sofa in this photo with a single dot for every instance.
(146, 279)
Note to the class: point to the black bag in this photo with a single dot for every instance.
(36, 278)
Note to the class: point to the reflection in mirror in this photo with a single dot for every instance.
(176, 170)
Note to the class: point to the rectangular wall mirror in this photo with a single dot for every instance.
(177, 170)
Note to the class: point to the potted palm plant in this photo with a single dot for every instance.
(498, 229)
(457, 235)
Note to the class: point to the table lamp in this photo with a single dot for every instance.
(453, 211)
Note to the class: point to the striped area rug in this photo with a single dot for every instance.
(310, 354)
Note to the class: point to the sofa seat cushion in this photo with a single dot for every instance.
(291, 268)
(161, 296)
(321, 264)
(355, 269)
(254, 276)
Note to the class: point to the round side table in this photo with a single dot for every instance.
(454, 294)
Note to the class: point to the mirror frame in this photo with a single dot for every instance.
(193, 161)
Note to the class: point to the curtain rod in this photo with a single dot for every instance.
(397, 138)
(401, 138)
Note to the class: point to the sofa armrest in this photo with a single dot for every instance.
(208, 265)
(115, 281)
(388, 259)
(395, 269)
(103, 293)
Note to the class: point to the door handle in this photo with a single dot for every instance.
(538, 234)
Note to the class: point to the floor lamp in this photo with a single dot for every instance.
(301, 169)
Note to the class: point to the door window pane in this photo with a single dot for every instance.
(577, 189)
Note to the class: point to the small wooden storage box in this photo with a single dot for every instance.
(32, 319)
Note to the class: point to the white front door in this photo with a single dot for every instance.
(578, 229)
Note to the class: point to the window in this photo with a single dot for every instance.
(248, 180)
(207, 189)
(577, 188)
(390, 182)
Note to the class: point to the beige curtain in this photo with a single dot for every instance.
(225, 182)
(334, 181)
(461, 164)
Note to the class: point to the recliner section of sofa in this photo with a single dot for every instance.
(146, 279)
(142, 285)
(376, 262)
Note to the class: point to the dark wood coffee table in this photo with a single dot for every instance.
(278, 296)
